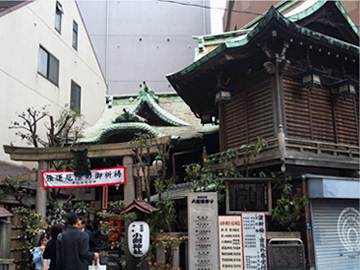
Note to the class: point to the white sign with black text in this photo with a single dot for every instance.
(203, 231)
(100, 177)
(254, 241)
(230, 242)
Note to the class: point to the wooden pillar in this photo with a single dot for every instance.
(41, 194)
(309, 239)
(222, 127)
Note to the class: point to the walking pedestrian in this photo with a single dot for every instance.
(40, 264)
(92, 243)
(50, 250)
(73, 247)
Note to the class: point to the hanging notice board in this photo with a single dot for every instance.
(248, 195)
(254, 241)
(203, 231)
(230, 243)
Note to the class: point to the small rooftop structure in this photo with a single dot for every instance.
(140, 205)
(5, 213)
(13, 170)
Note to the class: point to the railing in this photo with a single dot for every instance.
(7, 264)
(317, 147)
(284, 145)
(239, 153)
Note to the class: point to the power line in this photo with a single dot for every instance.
(231, 10)
(207, 7)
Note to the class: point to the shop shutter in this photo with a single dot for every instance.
(336, 234)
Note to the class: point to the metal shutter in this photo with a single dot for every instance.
(331, 218)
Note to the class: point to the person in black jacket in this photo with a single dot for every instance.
(92, 243)
(73, 247)
(50, 249)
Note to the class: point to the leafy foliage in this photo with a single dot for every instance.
(289, 207)
(252, 152)
(113, 221)
(81, 208)
(165, 217)
(16, 187)
(32, 225)
(60, 132)
(169, 245)
(56, 214)
(141, 144)
(209, 175)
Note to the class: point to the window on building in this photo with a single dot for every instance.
(58, 16)
(75, 99)
(75, 36)
(48, 66)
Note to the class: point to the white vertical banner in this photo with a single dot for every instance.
(203, 231)
(230, 243)
(254, 241)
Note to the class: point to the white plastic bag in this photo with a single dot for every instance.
(97, 266)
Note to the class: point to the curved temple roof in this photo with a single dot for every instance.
(220, 43)
(168, 108)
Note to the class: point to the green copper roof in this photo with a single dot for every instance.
(281, 7)
(275, 16)
(171, 106)
(346, 16)
(121, 127)
(294, 11)
(147, 96)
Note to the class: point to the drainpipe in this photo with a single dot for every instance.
(309, 240)
(173, 160)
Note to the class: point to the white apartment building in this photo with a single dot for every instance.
(46, 59)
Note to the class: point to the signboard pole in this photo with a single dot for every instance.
(104, 197)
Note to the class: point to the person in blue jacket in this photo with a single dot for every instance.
(38, 254)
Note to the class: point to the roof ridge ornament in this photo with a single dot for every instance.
(146, 92)
(127, 117)
(147, 97)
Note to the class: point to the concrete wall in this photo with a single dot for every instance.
(138, 41)
(255, 8)
(21, 86)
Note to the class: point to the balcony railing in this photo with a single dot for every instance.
(283, 148)
(317, 147)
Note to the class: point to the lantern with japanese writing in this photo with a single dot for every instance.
(138, 238)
